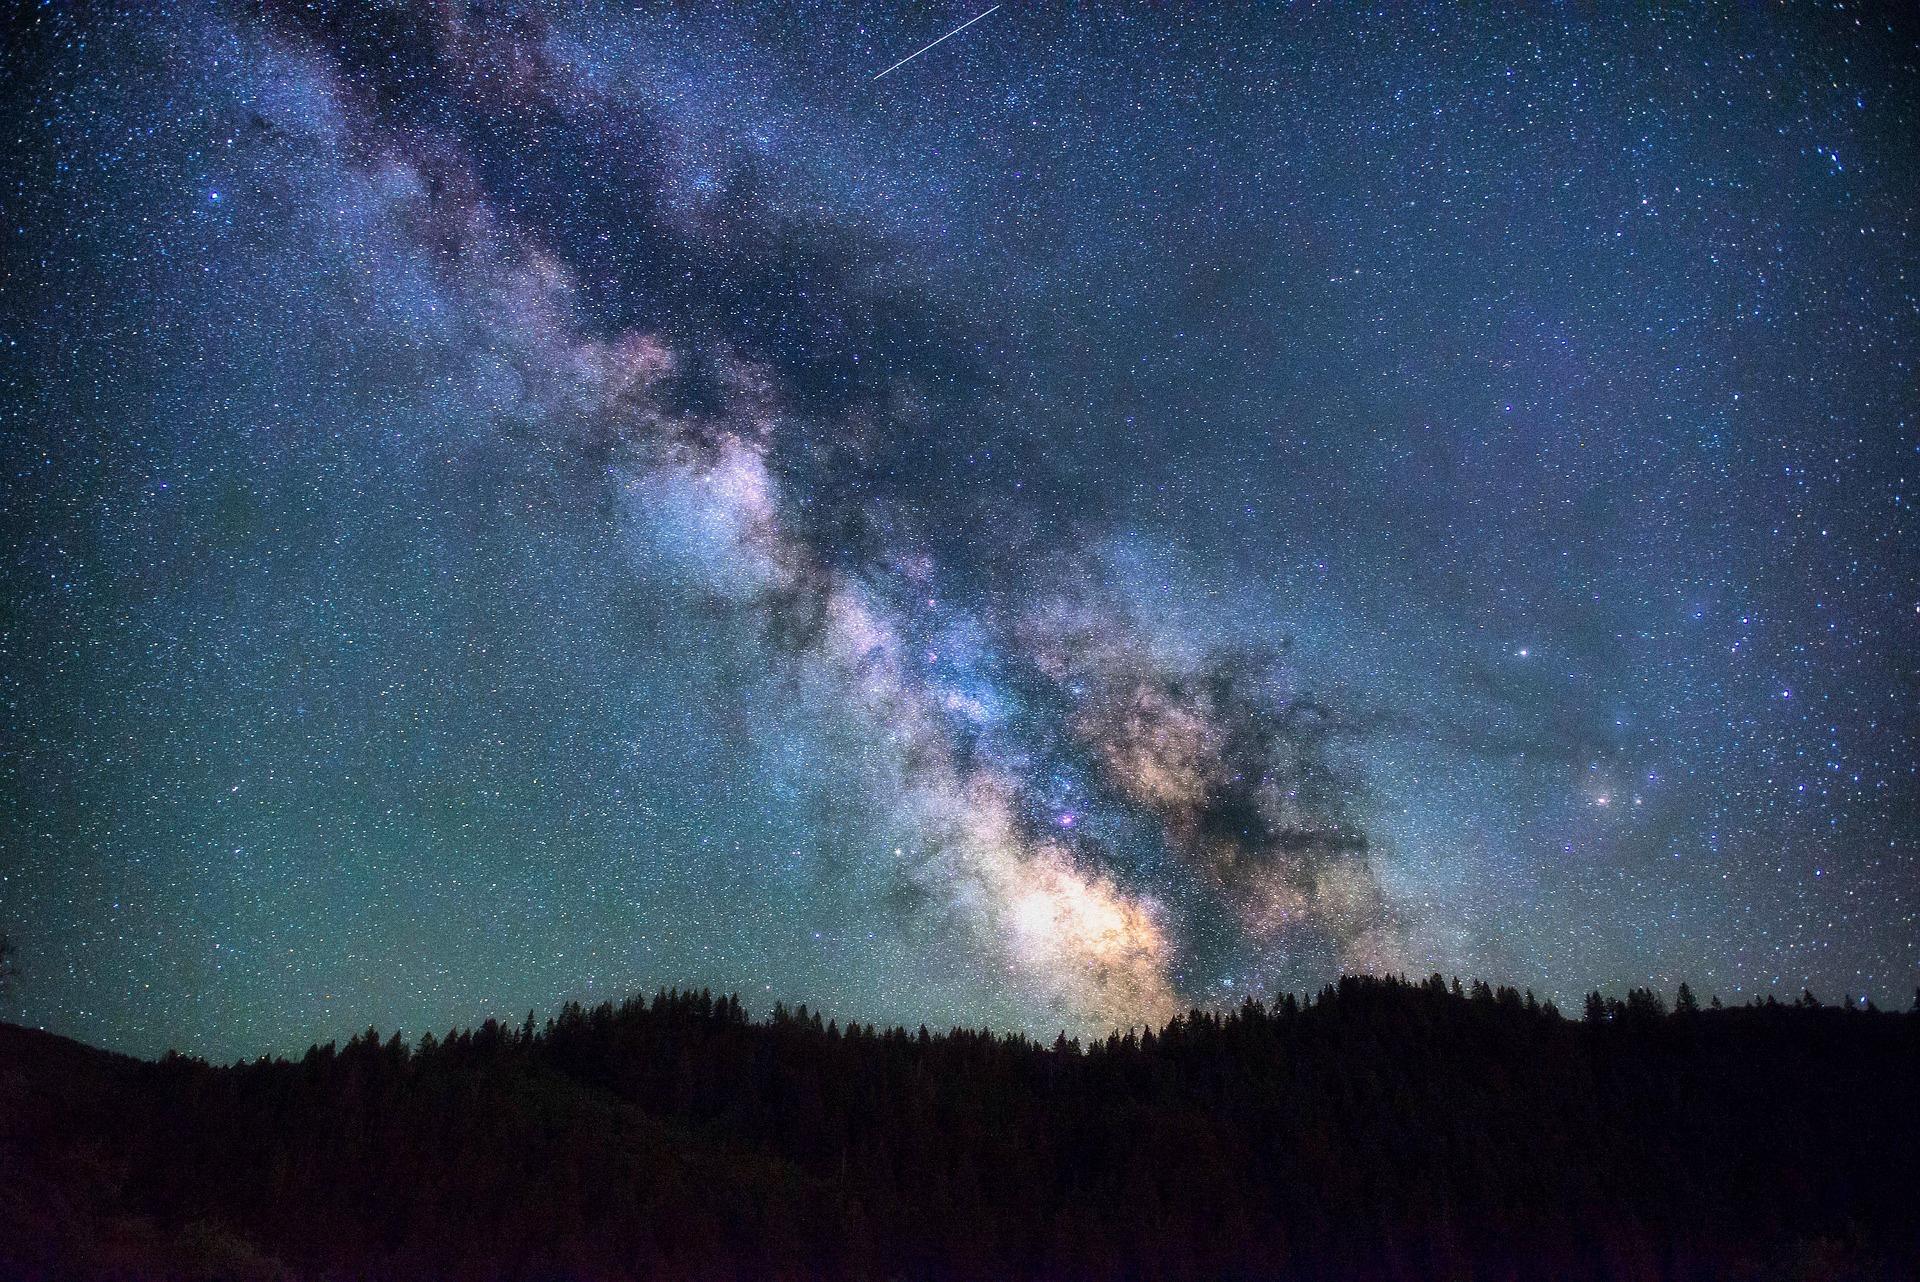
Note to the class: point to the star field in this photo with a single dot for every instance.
(1134, 508)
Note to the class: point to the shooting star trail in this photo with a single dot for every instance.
(923, 48)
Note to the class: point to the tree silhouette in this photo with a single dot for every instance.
(1380, 1127)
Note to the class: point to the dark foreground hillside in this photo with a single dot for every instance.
(1382, 1130)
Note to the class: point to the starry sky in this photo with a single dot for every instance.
(1139, 506)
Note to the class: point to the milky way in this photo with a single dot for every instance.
(510, 505)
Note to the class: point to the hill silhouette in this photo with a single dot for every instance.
(1380, 1129)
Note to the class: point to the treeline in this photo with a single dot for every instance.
(1382, 1128)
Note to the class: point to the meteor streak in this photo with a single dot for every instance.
(923, 48)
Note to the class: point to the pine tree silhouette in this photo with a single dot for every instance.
(1380, 1128)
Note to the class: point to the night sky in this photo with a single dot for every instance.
(1137, 507)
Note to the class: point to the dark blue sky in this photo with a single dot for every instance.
(1134, 507)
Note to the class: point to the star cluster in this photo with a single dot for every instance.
(515, 503)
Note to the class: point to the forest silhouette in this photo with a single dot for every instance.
(1381, 1128)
